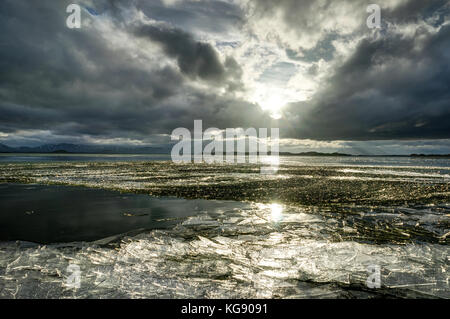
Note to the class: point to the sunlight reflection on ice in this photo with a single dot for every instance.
(235, 253)
(276, 212)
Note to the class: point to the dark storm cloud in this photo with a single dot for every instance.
(414, 10)
(391, 87)
(73, 82)
(196, 59)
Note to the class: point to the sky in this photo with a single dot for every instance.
(136, 70)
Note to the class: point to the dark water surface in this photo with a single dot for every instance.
(51, 214)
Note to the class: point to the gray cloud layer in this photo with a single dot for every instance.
(394, 84)
(391, 87)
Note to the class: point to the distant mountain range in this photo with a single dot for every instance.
(89, 149)
(165, 149)
(313, 154)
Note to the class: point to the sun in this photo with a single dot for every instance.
(273, 103)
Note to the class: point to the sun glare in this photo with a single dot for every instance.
(276, 212)
(273, 104)
(270, 100)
